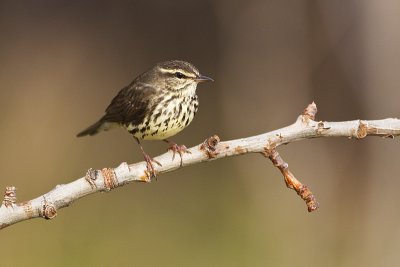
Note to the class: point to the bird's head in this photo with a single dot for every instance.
(177, 76)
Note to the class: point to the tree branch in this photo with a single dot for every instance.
(305, 127)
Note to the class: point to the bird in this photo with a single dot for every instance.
(156, 105)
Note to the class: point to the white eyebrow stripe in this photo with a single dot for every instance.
(188, 74)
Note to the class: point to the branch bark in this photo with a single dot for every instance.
(305, 127)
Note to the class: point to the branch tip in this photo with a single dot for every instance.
(305, 193)
(309, 112)
(291, 182)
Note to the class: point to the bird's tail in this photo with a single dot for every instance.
(95, 128)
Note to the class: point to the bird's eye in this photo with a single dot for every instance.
(179, 75)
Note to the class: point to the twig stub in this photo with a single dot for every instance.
(209, 146)
(291, 182)
(310, 111)
(90, 177)
(10, 197)
(48, 211)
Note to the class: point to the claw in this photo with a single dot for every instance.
(151, 172)
(180, 149)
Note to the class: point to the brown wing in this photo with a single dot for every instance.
(131, 104)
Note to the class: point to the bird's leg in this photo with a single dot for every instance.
(150, 168)
(180, 149)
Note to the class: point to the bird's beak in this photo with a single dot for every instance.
(201, 78)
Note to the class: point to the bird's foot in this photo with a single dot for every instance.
(180, 149)
(151, 172)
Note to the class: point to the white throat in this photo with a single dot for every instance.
(189, 90)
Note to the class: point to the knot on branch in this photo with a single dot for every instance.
(321, 128)
(91, 177)
(209, 146)
(10, 197)
(362, 130)
(48, 211)
(110, 181)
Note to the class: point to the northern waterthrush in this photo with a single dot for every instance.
(156, 105)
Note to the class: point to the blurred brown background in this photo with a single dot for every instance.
(63, 61)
